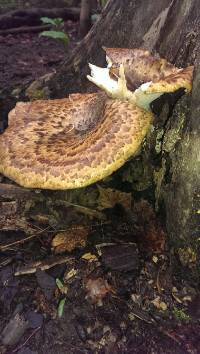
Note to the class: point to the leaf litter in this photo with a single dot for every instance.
(102, 291)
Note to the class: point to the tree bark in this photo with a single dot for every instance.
(170, 28)
(85, 18)
(181, 194)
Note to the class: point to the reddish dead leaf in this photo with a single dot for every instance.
(44, 305)
(150, 231)
(69, 240)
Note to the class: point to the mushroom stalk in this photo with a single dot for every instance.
(113, 88)
(118, 88)
(143, 99)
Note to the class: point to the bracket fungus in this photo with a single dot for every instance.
(137, 76)
(73, 142)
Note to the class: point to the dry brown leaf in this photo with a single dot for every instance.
(70, 274)
(150, 231)
(70, 239)
(43, 305)
(160, 305)
(89, 257)
(108, 198)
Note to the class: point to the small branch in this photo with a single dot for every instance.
(24, 29)
(27, 340)
(9, 245)
(13, 191)
(32, 16)
(43, 265)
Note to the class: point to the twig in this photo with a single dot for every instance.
(5, 247)
(24, 29)
(43, 265)
(27, 340)
(169, 335)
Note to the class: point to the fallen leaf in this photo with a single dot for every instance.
(175, 295)
(160, 305)
(69, 240)
(43, 305)
(97, 289)
(155, 259)
(150, 232)
(61, 307)
(108, 198)
(89, 257)
(70, 274)
(63, 288)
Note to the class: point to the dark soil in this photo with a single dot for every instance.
(26, 57)
(123, 296)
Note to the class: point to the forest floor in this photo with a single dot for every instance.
(25, 57)
(107, 286)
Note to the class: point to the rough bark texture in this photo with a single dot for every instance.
(182, 192)
(85, 18)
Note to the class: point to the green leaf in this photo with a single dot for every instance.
(61, 307)
(50, 21)
(56, 35)
(59, 284)
(58, 21)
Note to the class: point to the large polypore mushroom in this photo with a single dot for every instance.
(73, 142)
(70, 142)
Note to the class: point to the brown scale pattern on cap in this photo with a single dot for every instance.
(71, 142)
(140, 67)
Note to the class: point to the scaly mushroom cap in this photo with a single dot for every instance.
(137, 76)
(141, 67)
(71, 142)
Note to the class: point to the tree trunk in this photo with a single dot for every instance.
(85, 18)
(181, 193)
(170, 28)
